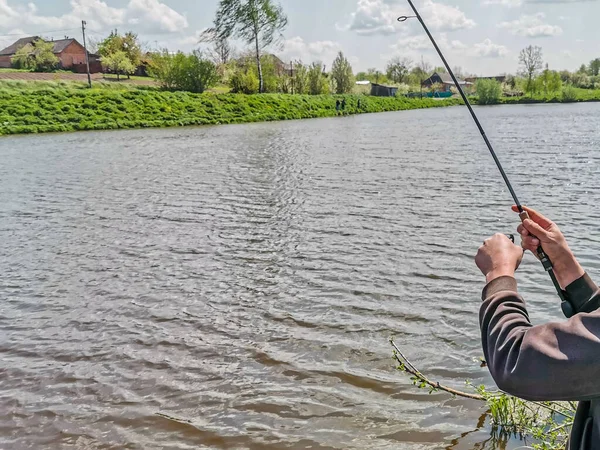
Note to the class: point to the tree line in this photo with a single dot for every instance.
(259, 24)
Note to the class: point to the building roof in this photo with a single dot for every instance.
(14, 48)
(59, 45)
(446, 79)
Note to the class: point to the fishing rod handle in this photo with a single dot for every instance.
(524, 215)
(566, 306)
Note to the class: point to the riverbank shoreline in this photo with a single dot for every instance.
(62, 110)
(58, 108)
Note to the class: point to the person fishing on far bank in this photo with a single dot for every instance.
(552, 362)
(337, 107)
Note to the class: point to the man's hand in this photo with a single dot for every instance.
(538, 230)
(498, 257)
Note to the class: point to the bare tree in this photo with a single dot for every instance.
(531, 62)
(398, 68)
(221, 51)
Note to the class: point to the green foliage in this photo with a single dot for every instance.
(256, 22)
(489, 92)
(38, 57)
(403, 89)
(569, 94)
(341, 75)
(181, 72)
(23, 58)
(548, 423)
(244, 81)
(317, 83)
(549, 82)
(300, 78)
(594, 69)
(531, 62)
(61, 107)
(118, 63)
(115, 49)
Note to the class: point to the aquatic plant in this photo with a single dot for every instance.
(546, 425)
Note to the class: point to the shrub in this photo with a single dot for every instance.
(488, 92)
(37, 57)
(183, 72)
(244, 82)
(569, 93)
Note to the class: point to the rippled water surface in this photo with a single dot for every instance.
(236, 286)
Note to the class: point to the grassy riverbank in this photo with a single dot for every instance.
(51, 108)
(578, 95)
(38, 107)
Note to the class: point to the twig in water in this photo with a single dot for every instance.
(408, 367)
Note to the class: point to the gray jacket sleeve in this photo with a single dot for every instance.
(556, 361)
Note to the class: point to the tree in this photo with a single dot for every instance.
(118, 63)
(181, 72)
(317, 83)
(222, 51)
(127, 44)
(341, 74)
(594, 69)
(38, 57)
(300, 78)
(489, 91)
(257, 22)
(23, 58)
(398, 68)
(531, 63)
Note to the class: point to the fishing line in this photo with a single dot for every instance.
(566, 306)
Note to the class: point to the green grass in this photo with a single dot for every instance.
(53, 107)
(123, 78)
(582, 95)
(220, 89)
(13, 70)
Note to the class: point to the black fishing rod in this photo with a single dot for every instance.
(566, 306)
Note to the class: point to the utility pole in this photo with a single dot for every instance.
(87, 55)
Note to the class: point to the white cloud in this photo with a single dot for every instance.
(156, 14)
(151, 16)
(422, 42)
(508, 3)
(297, 48)
(532, 26)
(487, 49)
(380, 17)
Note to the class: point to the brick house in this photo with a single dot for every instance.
(70, 53)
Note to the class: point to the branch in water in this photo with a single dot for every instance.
(407, 366)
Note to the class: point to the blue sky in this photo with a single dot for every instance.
(483, 37)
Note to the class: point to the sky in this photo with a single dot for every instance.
(483, 37)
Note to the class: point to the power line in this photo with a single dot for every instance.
(42, 32)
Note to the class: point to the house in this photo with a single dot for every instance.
(445, 82)
(70, 53)
(378, 90)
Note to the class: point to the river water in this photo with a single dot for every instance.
(236, 286)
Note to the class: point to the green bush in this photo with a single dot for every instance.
(244, 82)
(488, 92)
(183, 72)
(569, 94)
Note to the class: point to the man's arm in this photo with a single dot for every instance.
(556, 361)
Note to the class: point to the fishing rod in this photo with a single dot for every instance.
(566, 306)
